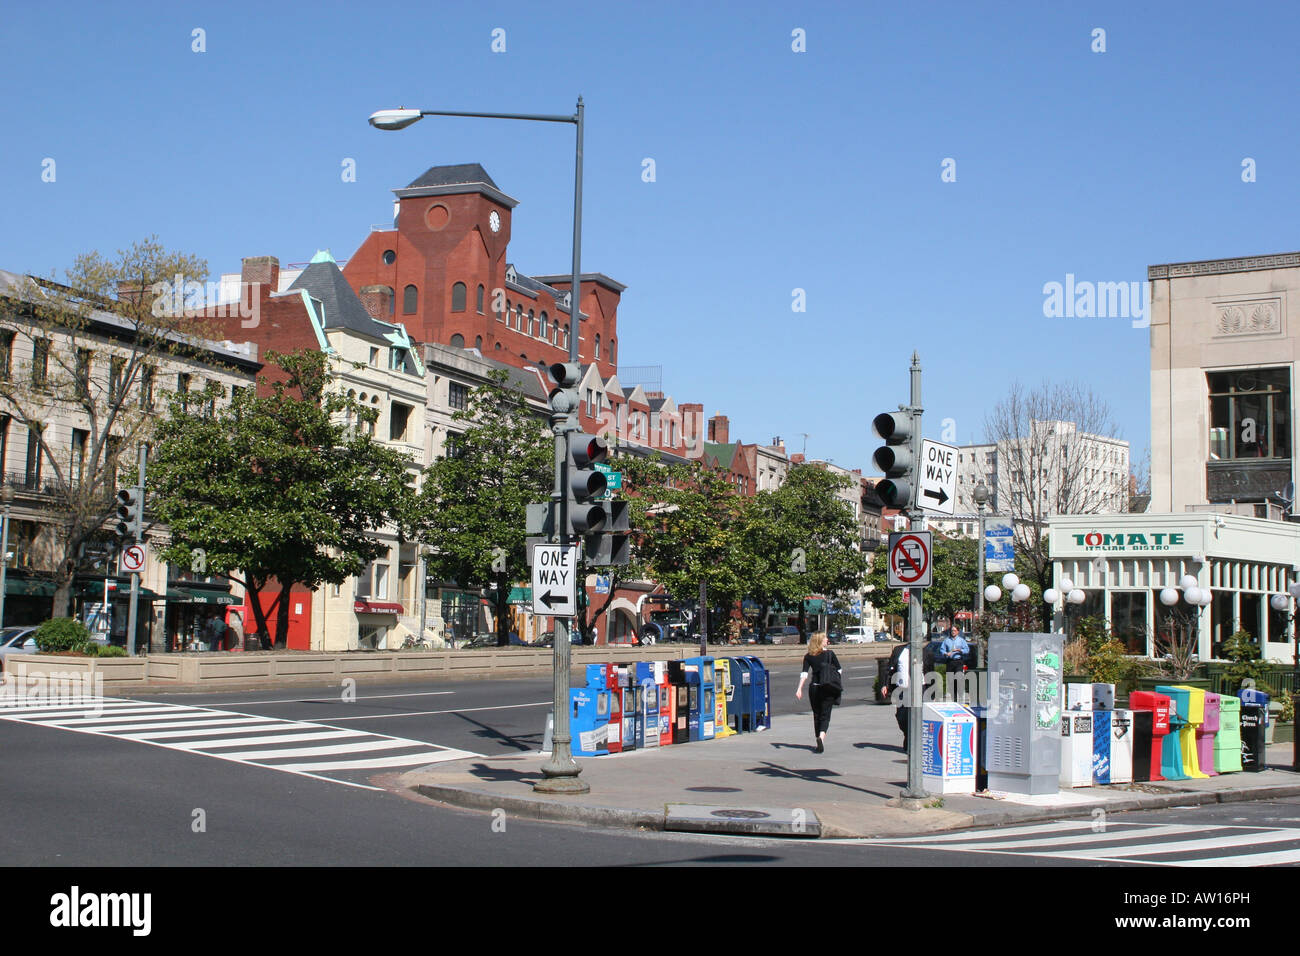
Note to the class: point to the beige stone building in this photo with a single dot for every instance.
(1223, 360)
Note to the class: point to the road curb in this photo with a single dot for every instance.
(539, 809)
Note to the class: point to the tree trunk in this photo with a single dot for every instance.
(803, 623)
(259, 613)
(282, 616)
(502, 606)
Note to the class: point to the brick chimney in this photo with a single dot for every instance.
(378, 300)
(692, 423)
(264, 270)
(719, 429)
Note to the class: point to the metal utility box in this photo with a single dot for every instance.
(1024, 712)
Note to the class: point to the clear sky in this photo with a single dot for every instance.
(775, 170)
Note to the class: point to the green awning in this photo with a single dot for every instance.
(29, 587)
(188, 595)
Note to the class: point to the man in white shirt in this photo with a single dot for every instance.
(902, 712)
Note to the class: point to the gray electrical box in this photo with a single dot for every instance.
(1023, 752)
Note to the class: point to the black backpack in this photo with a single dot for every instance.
(894, 655)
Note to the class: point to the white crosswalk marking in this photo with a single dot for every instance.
(239, 738)
(1153, 844)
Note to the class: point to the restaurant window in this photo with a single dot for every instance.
(1128, 619)
(1250, 414)
(1222, 621)
(1252, 606)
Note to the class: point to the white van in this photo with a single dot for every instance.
(858, 635)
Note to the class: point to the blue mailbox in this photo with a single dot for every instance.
(740, 709)
(589, 721)
(762, 694)
(699, 675)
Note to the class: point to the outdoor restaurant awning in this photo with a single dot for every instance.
(187, 595)
(377, 607)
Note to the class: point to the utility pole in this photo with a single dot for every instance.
(138, 533)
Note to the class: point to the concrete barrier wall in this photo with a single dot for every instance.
(222, 670)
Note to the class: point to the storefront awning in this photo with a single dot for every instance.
(188, 595)
(377, 607)
(30, 587)
(521, 596)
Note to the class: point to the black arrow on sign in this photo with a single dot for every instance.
(929, 493)
(550, 599)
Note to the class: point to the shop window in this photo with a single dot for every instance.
(1250, 414)
(1222, 621)
(1252, 607)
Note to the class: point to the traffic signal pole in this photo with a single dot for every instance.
(560, 773)
(915, 623)
(137, 531)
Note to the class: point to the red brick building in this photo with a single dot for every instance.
(444, 268)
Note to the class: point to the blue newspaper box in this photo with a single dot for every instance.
(740, 709)
(589, 721)
(597, 678)
(700, 673)
(648, 693)
(762, 690)
(1253, 695)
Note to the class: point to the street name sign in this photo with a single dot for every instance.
(555, 580)
(909, 560)
(937, 477)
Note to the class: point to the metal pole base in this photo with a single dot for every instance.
(557, 777)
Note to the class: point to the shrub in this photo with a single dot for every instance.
(105, 650)
(1244, 654)
(62, 634)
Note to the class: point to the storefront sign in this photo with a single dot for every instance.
(1144, 541)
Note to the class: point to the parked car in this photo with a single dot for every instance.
(17, 640)
(789, 634)
(858, 635)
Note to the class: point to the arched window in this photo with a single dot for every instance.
(479, 300)
(519, 316)
(612, 357)
(458, 341)
(598, 348)
(566, 335)
(478, 342)
(532, 323)
(546, 328)
(458, 297)
(498, 346)
(410, 300)
(507, 315)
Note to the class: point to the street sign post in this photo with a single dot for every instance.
(937, 478)
(555, 576)
(909, 560)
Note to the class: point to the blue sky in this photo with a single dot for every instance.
(775, 170)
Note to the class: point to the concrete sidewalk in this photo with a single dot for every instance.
(761, 782)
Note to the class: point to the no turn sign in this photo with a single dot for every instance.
(909, 559)
(133, 559)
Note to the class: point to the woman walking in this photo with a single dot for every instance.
(821, 664)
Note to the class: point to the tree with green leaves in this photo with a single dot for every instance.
(81, 357)
(473, 507)
(279, 487)
(688, 521)
(802, 539)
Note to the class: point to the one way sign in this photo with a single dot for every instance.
(555, 575)
(937, 481)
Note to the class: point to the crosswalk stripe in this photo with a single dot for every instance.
(272, 739)
(207, 731)
(1246, 859)
(1221, 841)
(227, 735)
(259, 755)
(1106, 836)
(406, 761)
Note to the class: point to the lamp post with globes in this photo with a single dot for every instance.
(560, 773)
(1193, 596)
(7, 496)
(1287, 602)
(981, 496)
(1068, 595)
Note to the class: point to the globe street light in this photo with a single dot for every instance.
(560, 773)
(981, 496)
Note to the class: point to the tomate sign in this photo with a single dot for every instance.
(909, 559)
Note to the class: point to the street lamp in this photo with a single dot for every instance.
(1067, 594)
(560, 773)
(981, 496)
(7, 496)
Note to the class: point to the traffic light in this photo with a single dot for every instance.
(895, 458)
(127, 528)
(564, 397)
(587, 513)
(611, 546)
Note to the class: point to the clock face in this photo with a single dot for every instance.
(494, 221)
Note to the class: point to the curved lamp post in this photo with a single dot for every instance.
(560, 773)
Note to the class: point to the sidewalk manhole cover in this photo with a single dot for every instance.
(714, 789)
(741, 814)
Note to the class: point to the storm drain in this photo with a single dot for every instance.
(751, 821)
